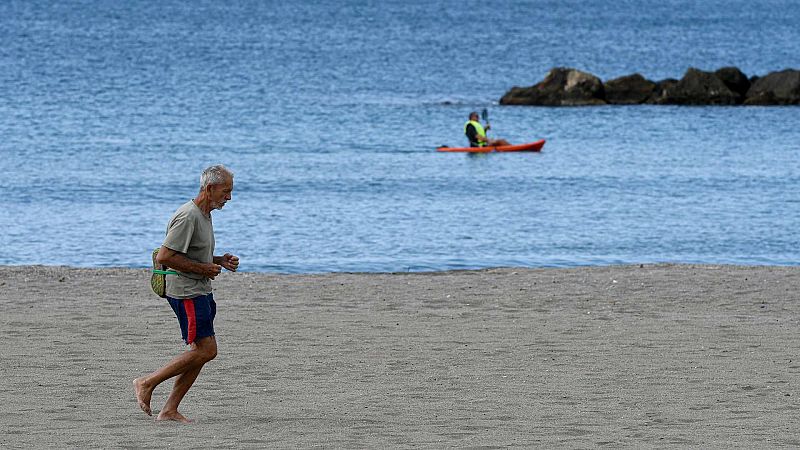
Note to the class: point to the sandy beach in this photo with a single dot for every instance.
(632, 356)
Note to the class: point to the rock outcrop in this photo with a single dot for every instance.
(700, 88)
(735, 80)
(629, 90)
(561, 87)
(777, 88)
(726, 86)
(662, 91)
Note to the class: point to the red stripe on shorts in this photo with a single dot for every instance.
(191, 320)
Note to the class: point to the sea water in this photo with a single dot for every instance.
(329, 114)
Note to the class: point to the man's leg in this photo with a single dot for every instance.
(202, 351)
(206, 346)
(498, 142)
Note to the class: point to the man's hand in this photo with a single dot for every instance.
(210, 270)
(230, 262)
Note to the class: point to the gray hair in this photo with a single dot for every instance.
(215, 175)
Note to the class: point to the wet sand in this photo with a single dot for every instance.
(652, 356)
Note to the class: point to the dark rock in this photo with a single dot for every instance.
(561, 87)
(520, 96)
(736, 81)
(629, 90)
(776, 88)
(661, 92)
(700, 88)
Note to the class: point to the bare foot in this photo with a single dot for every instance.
(174, 415)
(143, 395)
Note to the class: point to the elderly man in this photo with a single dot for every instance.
(189, 250)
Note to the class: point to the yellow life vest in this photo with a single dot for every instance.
(478, 129)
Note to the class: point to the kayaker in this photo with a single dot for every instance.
(476, 133)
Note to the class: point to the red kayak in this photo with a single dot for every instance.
(529, 147)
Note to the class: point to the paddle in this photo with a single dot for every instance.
(485, 117)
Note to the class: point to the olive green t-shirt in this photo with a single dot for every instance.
(190, 232)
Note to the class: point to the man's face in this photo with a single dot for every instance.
(220, 193)
(473, 117)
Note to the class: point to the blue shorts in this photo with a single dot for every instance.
(195, 315)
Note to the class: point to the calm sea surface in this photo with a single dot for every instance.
(329, 112)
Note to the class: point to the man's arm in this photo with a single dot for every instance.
(179, 261)
(472, 134)
(228, 261)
